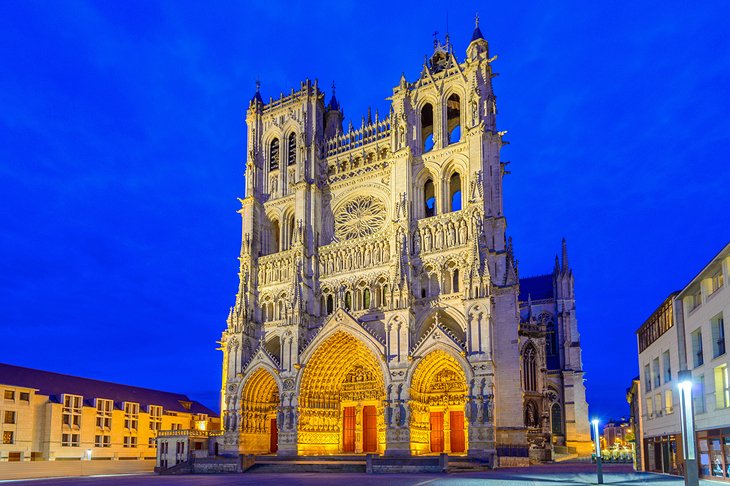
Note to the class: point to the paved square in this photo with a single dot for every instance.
(548, 475)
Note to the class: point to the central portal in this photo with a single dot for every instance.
(341, 399)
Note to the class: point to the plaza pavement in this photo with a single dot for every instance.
(544, 475)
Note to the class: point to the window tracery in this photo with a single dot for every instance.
(362, 216)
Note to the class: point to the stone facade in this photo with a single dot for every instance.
(50, 416)
(378, 309)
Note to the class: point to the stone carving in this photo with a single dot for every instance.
(361, 216)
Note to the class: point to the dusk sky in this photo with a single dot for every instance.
(122, 150)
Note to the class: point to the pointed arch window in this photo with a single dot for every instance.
(274, 154)
(556, 419)
(291, 155)
(275, 237)
(455, 281)
(330, 304)
(453, 118)
(429, 199)
(455, 192)
(427, 127)
(348, 300)
(529, 368)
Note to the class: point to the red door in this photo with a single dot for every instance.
(348, 430)
(437, 432)
(457, 431)
(273, 437)
(370, 429)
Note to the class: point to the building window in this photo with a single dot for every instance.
(722, 387)
(292, 149)
(453, 118)
(155, 417)
(697, 354)
(699, 397)
(102, 441)
(668, 402)
(24, 396)
(718, 336)
(274, 154)
(695, 300)
(152, 442)
(647, 377)
(130, 441)
(657, 373)
(8, 437)
(429, 199)
(9, 417)
(427, 128)
(529, 368)
(72, 410)
(9, 395)
(650, 407)
(131, 415)
(455, 192)
(658, 404)
(667, 367)
(716, 281)
(556, 419)
(104, 413)
(70, 440)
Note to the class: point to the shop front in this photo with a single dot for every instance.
(663, 454)
(714, 453)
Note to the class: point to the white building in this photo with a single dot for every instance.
(701, 309)
(688, 332)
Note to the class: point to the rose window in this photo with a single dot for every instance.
(360, 217)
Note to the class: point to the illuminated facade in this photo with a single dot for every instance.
(379, 305)
(50, 416)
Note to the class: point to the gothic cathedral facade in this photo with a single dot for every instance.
(379, 308)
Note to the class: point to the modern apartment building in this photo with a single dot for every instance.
(50, 416)
(701, 310)
(688, 332)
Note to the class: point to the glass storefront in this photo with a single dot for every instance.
(714, 449)
(661, 454)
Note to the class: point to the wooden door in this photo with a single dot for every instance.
(348, 430)
(457, 431)
(437, 432)
(273, 437)
(369, 429)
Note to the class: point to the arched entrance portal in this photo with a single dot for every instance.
(259, 402)
(438, 397)
(341, 399)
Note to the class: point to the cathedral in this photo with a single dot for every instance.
(380, 308)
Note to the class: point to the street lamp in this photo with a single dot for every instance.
(596, 438)
(688, 428)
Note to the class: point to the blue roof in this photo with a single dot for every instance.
(477, 34)
(539, 287)
(56, 384)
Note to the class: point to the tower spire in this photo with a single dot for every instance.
(477, 34)
(565, 255)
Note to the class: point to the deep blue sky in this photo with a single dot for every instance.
(122, 145)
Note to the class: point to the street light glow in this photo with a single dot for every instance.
(594, 422)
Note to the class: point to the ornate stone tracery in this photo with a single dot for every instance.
(361, 216)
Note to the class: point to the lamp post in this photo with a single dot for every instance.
(597, 440)
(688, 428)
